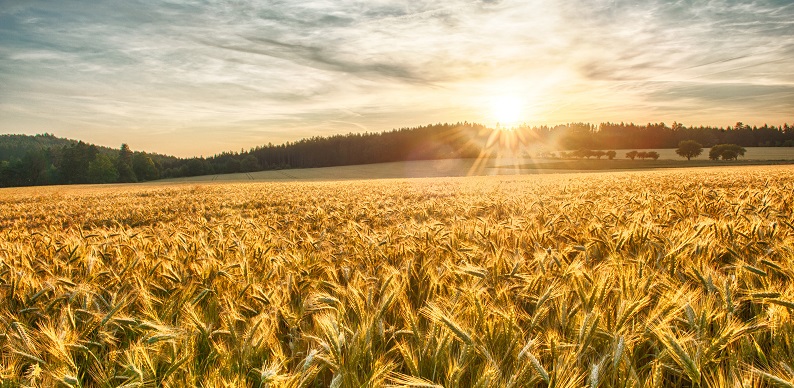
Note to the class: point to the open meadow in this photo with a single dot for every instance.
(678, 277)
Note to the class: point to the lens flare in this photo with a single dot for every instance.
(507, 111)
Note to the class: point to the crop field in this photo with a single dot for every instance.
(681, 278)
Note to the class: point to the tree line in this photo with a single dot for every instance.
(61, 161)
(659, 135)
(78, 163)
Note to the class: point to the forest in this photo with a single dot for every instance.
(46, 159)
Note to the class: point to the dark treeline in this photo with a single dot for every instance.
(46, 159)
(439, 141)
(635, 136)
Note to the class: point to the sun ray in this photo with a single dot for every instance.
(507, 111)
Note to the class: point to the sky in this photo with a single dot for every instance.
(191, 78)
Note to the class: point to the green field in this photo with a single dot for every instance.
(669, 278)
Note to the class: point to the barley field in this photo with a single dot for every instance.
(677, 278)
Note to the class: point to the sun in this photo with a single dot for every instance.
(508, 111)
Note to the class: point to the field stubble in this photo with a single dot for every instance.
(665, 278)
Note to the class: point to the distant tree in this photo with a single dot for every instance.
(249, 164)
(232, 165)
(126, 174)
(739, 150)
(729, 154)
(583, 153)
(652, 155)
(67, 161)
(197, 166)
(124, 165)
(125, 154)
(34, 167)
(144, 167)
(599, 154)
(611, 154)
(11, 172)
(74, 162)
(689, 149)
(5, 169)
(733, 151)
(642, 155)
(102, 170)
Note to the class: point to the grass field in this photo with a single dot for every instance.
(498, 166)
(676, 277)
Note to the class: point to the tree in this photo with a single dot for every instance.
(611, 154)
(11, 172)
(632, 154)
(583, 153)
(689, 149)
(124, 165)
(249, 164)
(599, 154)
(102, 170)
(232, 165)
(733, 152)
(196, 167)
(729, 154)
(144, 167)
(652, 155)
(35, 165)
(74, 162)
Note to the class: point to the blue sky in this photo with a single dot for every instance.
(200, 77)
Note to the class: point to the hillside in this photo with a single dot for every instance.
(46, 159)
(17, 146)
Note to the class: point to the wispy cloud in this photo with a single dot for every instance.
(235, 74)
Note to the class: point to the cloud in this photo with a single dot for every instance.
(139, 70)
(322, 59)
(729, 95)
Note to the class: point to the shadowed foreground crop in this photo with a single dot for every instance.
(674, 278)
